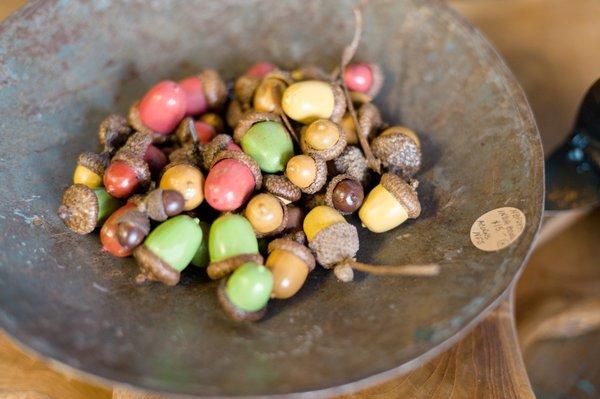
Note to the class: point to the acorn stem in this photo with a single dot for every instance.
(350, 49)
(425, 270)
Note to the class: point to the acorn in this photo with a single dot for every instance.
(160, 204)
(290, 263)
(244, 88)
(268, 93)
(352, 162)
(281, 187)
(113, 241)
(113, 132)
(309, 100)
(262, 136)
(205, 91)
(260, 69)
(231, 243)
(344, 193)
(245, 294)
(186, 179)
(128, 171)
(168, 249)
(363, 77)
(324, 138)
(307, 172)
(267, 215)
(390, 204)
(82, 208)
(90, 169)
(347, 124)
(219, 143)
(399, 150)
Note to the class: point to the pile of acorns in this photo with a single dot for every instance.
(201, 170)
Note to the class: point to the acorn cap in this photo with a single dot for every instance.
(369, 118)
(154, 268)
(136, 218)
(113, 132)
(234, 113)
(210, 150)
(299, 250)
(329, 153)
(188, 154)
(398, 152)
(320, 176)
(79, 209)
(153, 204)
(222, 268)
(97, 163)
(328, 197)
(234, 312)
(296, 236)
(186, 131)
(403, 192)
(279, 74)
(244, 88)
(312, 201)
(309, 72)
(335, 243)
(136, 145)
(280, 228)
(243, 158)
(133, 117)
(250, 118)
(215, 90)
(281, 187)
(352, 162)
(378, 80)
(339, 104)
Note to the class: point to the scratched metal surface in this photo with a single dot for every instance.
(64, 65)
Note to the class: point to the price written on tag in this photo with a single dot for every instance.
(497, 229)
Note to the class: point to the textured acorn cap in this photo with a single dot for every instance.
(280, 186)
(214, 88)
(403, 192)
(234, 113)
(97, 163)
(299, 250)
(320, 176)
(297, 236)
(186, 131)
(334, 243)
(210, 150)
(279, 74)
(154, 205)
(136, 145)
(339, 105)
(397, 151)
(279, 228)
(113, 132)
(312, 201)
(250, 118)
(243, 158)
(329, 153)
(222, 268)
(244, 88)
(234, 312)
(189, 154)
(352, 162)
(154, 268)
(79, 209)
(138, 165)
(328, 197)
(133, 117)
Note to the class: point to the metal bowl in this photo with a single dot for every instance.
(66, 65)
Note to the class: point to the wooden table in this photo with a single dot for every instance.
(537, 38)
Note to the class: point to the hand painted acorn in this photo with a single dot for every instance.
(90, 169)
(364, 77)
(281, 187)
(231, 243)
(399, 150)
(245, 294)
(232, 177)
(290, 263)
(128, 171)
(345, 194)
(310, 100)
(308, 172)
(260, 69)
(389, 204)
(263, 137)
(113, 132)
(268, 94)
(219, 143)
(267, 215)
(324, 138)
(186, 179)
(109, 234)
(201, 257)
(352, 162)
(82, 208)
(203, 92)
(168, 249)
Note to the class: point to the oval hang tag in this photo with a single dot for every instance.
(497, 229)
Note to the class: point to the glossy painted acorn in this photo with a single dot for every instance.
(247, 291)
(364, 78)
(309, 100)
(266, 214)
(260, 69)
(290, 263)
(90, 169)
(344, 193)
(82, 208)
(203, 92)
(324, 138)
(307, 171)
(186, 179)
(163, 107)
(109, 234)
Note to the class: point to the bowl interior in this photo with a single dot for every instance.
(66, 65)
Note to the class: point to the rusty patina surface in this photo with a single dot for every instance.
(65, 65)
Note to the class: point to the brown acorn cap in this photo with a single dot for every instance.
(250, 118)
(136, 145)
(369, 118)
(353, 162)
(309, 72)
(243, 158)
(210, 150)
(313, 201)
(244, 88)
(138, 165)
(403, 192)
(398, 152)
(153, 205)
(184, 133)
(188, 153)
(222, 268)
(136, 122)
(113, 132)
(398, 129)
(296, 236)
(79, 209)
(215, 90)
(335, 243)
(97, 163)
(234, 113)
(298, 250)
(331, 186)
(378, 80)
(329, 153)
(320, 177)
(153, 268)
(339, 105)
(235, 313)
(281, 227)
(281, 187)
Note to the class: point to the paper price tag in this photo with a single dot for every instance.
(497, 229)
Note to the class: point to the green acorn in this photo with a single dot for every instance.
(246, 292)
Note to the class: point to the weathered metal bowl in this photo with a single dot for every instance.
(66, 64)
